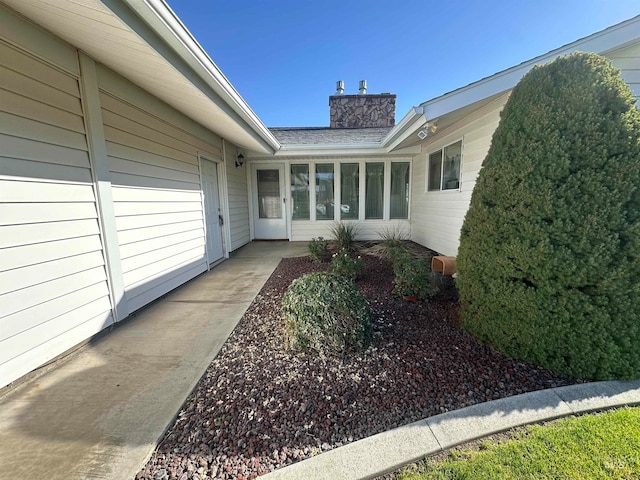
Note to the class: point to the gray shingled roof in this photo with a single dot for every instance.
(329, 136)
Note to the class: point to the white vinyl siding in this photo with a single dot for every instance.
(238, 201)
(437, 216)
(153, 160)
(53, 283)
(628, 61)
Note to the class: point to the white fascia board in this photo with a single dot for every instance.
(612, 38)
(373, 149)
(159, 16)
(412, 121)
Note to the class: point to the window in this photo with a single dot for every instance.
(324, 191)
(300, 192)
(444, 168)
(349, 191)
(399, 190)
(374, 194)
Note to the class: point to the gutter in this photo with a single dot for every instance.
(150, 10)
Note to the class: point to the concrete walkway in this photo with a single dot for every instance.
(98, 413)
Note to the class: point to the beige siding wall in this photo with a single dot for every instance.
(153, 155)
(628, 61)
(238, 194)
(53, 283)
(437, 217)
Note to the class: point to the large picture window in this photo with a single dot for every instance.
(324, 191)
(300, 192)
(399, 190)
(444, 168)
(349, 191)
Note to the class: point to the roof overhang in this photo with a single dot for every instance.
(145, 42)
(448, 107)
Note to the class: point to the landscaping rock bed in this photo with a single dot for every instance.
(260, 407)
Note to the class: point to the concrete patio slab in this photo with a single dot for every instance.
(99, 412)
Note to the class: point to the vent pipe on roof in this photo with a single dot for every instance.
(363, 87)
(339, 87)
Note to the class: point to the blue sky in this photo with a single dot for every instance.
(285, 56)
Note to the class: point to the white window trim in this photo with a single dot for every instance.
(427, 165)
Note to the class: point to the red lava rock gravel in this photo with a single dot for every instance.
(260, 407)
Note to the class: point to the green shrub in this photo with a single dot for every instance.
(345, 235)
(319, 250)
(326, 313)
(346, 266)
(549, 258)
(412, 277)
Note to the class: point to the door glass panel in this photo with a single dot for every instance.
(350, 191)
(269, 203)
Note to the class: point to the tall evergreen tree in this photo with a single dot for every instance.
(549, 258)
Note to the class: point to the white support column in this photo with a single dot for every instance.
(102, 182)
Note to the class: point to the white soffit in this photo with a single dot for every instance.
(154, 58)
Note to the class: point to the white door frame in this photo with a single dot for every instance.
(222, 202)
(251, 180)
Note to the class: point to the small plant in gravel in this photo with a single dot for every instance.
(345, 235)
(343, 264)
(319, 250)
(327, 314)
(413, 278)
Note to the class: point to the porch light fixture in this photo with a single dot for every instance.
(239, 160)
(427, 129)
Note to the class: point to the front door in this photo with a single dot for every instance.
(269, 202)
(212, 212)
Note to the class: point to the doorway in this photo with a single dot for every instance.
(212, 212)
(269, 202)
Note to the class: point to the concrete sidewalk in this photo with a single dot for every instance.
(387, 451)
(98, 413)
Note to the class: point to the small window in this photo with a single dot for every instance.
(324, 191)
(444, 168)
(300, 192)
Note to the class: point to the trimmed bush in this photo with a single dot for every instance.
(319, 250)
(327, 314)
(549, 257)
(346, 266)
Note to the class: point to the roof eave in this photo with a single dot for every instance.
(167, 25)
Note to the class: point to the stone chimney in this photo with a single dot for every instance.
(362, 110)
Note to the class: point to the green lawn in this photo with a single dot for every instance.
(599, 446)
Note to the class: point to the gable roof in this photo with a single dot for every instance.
(481, 92)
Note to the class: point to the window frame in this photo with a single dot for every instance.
(443, 157)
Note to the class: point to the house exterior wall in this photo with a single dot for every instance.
(152, 153)
(437, 217)
(628, 61)
(238, 193)
(54, 291)
(305, 230)
(101, 209)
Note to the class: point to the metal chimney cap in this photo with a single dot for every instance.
(363, 87)
(340, 87)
